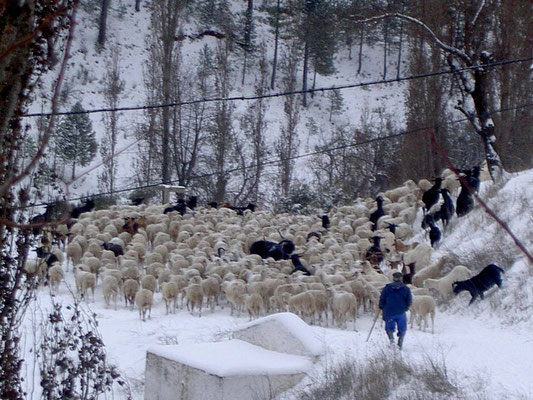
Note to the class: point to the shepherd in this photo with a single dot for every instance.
(394, 301)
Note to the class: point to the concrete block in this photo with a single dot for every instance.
(231, 370)
(282, 332)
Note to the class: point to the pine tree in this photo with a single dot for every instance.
(76, 139)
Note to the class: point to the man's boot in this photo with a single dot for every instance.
(400, 340)
(391, 337)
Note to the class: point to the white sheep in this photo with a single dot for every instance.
(431, 272)
(343, 305)
(144, 300)
(303, 305)
(149, 282)
(253, 303)
(321, 304)
(211, 289)
(419, 256)
(110, 289)
(74, 253)
(129, 289)
(195, 297)
(421, 308)
(444, 284)
(55, 276)
(235, 291)
(88, 281)
(169, 290)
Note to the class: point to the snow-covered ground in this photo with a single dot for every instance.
(488, 343)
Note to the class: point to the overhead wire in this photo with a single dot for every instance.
(281, 94)
(244, 98)
(299, 156)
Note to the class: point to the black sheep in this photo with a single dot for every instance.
(434, 234)
(298, 265)
(49, 258)
(376, 215)
(41, 219)
(241, 210)
(472, 178)
(479, 284)
(432, 195)
(447, 208)
(192, 202)
(137, 201)
(181, 207)
(429, 219)
(313, 234)
(407, 277)
(374, 254)
(465, 202)
(115, 248)
(278, 251)
(325, 221)
(77, 211)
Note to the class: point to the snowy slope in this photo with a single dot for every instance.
(126, 33)
(487, 347)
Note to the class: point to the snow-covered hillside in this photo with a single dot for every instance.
(486, 347)
(127, 33)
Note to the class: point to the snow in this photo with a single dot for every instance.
(220, 359)
(296, 326)
(487, 343)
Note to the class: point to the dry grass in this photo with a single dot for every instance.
(386, 375)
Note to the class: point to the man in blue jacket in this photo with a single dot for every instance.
(394, 301)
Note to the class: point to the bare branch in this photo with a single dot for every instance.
(476, 16)
(44, 143)
(449, 49)
(471, 117)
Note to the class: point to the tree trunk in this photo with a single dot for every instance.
(137, 5)
(276, 40)
(103, 23)
(385, 45)
(360, 57)
(304, 73)
(486, 125)
(399, 63)
(248, 35)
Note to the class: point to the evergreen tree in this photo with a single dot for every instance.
(75, 137)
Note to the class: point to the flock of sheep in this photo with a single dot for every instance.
(201, 259)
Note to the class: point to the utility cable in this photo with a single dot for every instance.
(277, 161)
(281, 94)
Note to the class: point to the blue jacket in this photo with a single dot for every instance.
(395, 299)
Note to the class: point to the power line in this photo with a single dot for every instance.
(304, 155)
(281, 94)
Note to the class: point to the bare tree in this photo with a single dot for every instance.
(112, 92)
(217, 161)
(24, 27)
(253, 126)
(161, 80)
(471, 61)
(288, 142)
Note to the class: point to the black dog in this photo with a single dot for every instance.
(479, 284)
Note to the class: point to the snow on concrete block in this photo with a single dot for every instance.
(231, 370)
(283, 332)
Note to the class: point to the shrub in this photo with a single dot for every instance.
(384, 375)
(71, 356)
